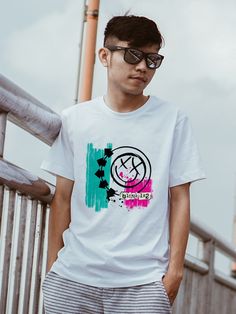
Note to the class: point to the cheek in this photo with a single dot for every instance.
(118, 67)
(118, 72)
(150, 76)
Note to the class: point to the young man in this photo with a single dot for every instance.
(119, 220)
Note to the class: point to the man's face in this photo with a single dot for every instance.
(128, 78)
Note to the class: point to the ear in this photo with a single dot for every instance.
(103, 56)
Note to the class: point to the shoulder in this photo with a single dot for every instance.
(86, 107)
(170, 109)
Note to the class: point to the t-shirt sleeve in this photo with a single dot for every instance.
(185, 163)
(60, 158)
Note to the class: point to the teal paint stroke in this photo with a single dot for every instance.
(95, 196)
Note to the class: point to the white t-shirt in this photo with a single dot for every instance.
(123, 165)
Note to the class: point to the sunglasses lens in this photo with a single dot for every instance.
(153, 61)
(133, 56)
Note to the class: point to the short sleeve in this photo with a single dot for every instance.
(185, 163)
(60, 158)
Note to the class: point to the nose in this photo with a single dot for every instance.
(141, 66)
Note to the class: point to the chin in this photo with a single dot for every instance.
(133, 92)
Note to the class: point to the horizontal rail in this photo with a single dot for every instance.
(195, 264)
(24, 182)
(27, 112)
(225, 280)
(202, 268)
(206, 233)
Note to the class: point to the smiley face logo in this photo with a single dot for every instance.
(130, 167)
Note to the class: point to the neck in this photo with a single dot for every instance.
(124, 102)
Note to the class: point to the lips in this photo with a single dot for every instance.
(140, 78)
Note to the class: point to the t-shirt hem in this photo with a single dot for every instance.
(109, 284)
(193, 177)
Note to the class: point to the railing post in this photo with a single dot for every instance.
(209, 258)
(3, 123)
(3, 287)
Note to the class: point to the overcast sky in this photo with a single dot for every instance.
(39, 52)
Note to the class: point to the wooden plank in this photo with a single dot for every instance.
(187, 292)
(195, 288)
(201, 298)
(232, 302)
(19, 253)
(11, 301)
(27, 259)
(216, 298)
(6, 242)
(35, 278)
(179, 302)
(44, 259)
(224, 300)
(209, 257)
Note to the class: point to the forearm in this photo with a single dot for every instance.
(179, 230)
(59, 221)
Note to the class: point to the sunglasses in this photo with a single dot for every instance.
(134, 56)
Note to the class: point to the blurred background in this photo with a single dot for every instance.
(39, 51)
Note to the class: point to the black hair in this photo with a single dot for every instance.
(138, 31)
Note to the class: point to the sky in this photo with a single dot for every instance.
(39, 50)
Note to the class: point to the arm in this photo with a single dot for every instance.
(179, 232)
(59, 218)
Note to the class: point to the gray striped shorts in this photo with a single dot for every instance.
(63, 296)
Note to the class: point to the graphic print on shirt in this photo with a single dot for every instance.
(121, 175)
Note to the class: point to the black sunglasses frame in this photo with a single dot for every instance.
(145, 55)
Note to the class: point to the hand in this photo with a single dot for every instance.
(171, 283)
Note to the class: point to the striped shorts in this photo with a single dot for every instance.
(63, 296)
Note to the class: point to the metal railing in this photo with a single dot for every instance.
(24, 213)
